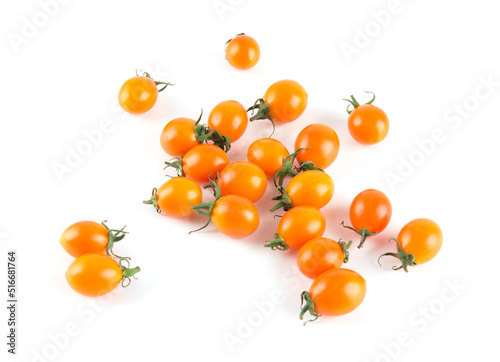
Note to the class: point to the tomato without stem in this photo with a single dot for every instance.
(242, 52)
(268, 154)
(244, 179)
(287, 100)
(320, 145)
(229, 118)
(235, 216)
(320, 255)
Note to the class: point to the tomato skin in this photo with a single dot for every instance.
(287, 100)
(321, 145)
(318, 256)
(421, 237)
(203, 162)
(178, 136)
(94, 274)
(242, 52)
(177, 196)
(230, 118)
(338, 291)
(301, 224)
(368, 124)
(138, 95)
(370, 209)
(268, 154)
(243, 178)
(313, 188)
(84, 237)
(235, 216)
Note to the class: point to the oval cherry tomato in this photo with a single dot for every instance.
(85, 237)
(320, 255)
(370, 213)
(242, 52)
(94, 274)
(204, 162)
(176, 197)
(287, 100)
(335, 292)
(268, 154)
(244, 179)
(235, 216)
(230, 118)
(368, 124)
(138, 95)
(178, 136)
(297, 226)
(320, 145)
(313, 188)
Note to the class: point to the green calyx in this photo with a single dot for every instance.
(284, 201)
(355, 104)
(263, 112)
(114, 236)
(127, 271)
(288, 170)
(363, 232)
(307, 305)
(345, 249)
(204, 134)
(177, 165)
(147, 75)
(206, 208)
(405, 258)
(277, 244)
(153, 201)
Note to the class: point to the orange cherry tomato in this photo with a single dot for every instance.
(178, 136)
(368, 124)
(287, 100)
(335, 292)
(243, 178)
(268, 154)
(230, 118)
(235, 216)
(242, 52)
(297, 226)
(313, 188)
(318, 256)
(94, 274)
(320, 145)
(176, 197)
(422, 238)
(85, 237)
(204, 162)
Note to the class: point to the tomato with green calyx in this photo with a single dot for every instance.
(243, 178)
(242, 52)
(268, 154)
(296, 227)
(320, 145)
(176, 197)
(370, 213)
(418, 242)
(229, 118)
(320, 255)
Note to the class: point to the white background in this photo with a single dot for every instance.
(424, 62)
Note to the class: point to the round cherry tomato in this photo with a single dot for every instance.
(368, 124)
(230, 118)
(370, 213)
(138, 95)
(204, 162)
(268, 154)
(94, 274)
(85, 237)
(318, 256)
(287, 100)
(244, 179)
(176, 197)
(235, 216)
(313, 188)
(297, 226)
(335, 292)
(320, 145)
(242, 52)
(178, 136)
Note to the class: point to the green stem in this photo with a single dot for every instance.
(206, 208)
(345, 249)
(114, 236)
(277, 244)
(127, 272)
(405, 258)
(284, 201)
(147, 75)
(177, 165)
(263, 112)
(153, 201)
(355, 104)
(364, 232)
(204, 134)
(286, 169)
(307, 305)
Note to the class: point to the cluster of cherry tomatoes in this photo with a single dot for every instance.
(200, 156)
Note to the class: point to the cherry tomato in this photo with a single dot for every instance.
(243, 178)
(229, 118)
(313, 188)
(242, 52)
(235, 216)
(96, 274)
(418, 242)
(297, 226)
(370, 213)
(268, 154)
(320, 145)
(176, 197)
(368, 124)
(139, 94)
(287, 100)
(320, 255)
(178, 136)
(335, 292)
(85, 237)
